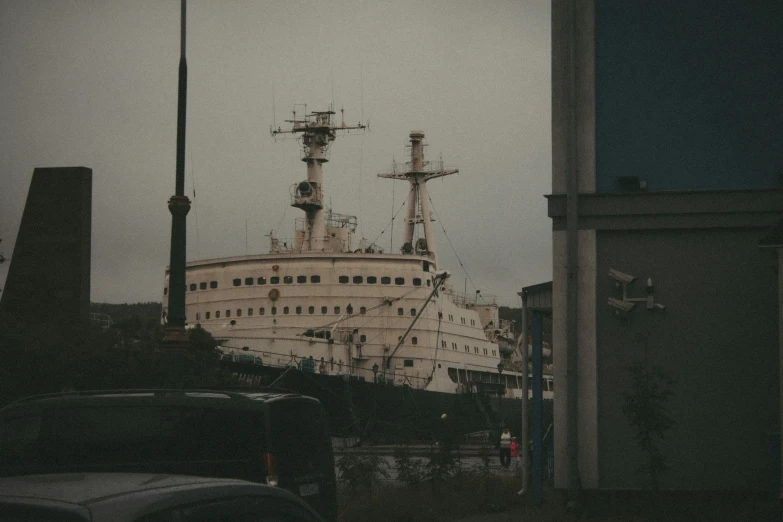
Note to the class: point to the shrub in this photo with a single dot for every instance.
(410, 471)
(361, 470)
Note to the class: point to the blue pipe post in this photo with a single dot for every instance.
(538, 422)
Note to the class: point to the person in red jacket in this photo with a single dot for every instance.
(516, 461)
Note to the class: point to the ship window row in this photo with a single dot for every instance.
(401, 311)
(301, 279)
(275, 280)
(372, 280)
(201, 286)
(287, 310)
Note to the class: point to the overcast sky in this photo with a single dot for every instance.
(94, 84)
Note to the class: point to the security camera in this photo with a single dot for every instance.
(621, 306)
(621, 277)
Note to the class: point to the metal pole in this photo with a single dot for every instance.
(538, 423)
(525, 435)
(179, 206)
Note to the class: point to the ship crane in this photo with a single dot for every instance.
(317, 132)
(418, 198)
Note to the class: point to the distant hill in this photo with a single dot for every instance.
(118, 312)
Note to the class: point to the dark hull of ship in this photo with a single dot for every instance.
(387, 413)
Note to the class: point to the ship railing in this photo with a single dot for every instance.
(467, 300)
(335, 220)
(333, 368)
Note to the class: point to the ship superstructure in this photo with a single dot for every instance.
(327, 305)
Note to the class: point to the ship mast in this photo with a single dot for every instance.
(418, 198)
(317, 134)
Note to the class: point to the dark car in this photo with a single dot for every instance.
(134, 497)
(280, 439)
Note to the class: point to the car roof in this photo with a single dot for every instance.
(123, 497)
(87, 488)
(181, 396)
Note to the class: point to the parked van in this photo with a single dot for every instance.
(275, 438)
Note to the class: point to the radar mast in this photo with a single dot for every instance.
(418, 198)
(316, 133)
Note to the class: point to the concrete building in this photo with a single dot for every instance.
(667, 165)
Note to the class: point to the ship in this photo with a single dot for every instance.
(382, 338)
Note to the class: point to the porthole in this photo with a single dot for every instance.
(416, 281)
(363, 310)
(237, 282)
(336, 309)
(262, 280)
(239, 312)
(400, 311)
(385, 280)
(298, 310)
(358, 280)
(324, 310)
(274, 310)
(413, 312)
(193, 287)
(343, 279)
(275, 280)
(217, 314)
(407, 362)
(285, 310)
(301, 279)
(202, 286)
(288, 280)
(315, 279)
(213, 284)
(311, 310)
(206, 315)
(371, 280)
(249, 311)
(414, 340)
(261, 311)
(248, 281)
(228, 313)
(399, 280)
(349, 309)
(198, 316)
(362, 338)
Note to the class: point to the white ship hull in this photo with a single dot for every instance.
(282, 307)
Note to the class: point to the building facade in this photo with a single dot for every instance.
(667, 167)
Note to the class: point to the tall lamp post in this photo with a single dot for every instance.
(176, 337)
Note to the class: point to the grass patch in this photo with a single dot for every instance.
(452, 499)
(494, 499)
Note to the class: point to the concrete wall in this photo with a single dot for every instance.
(717, 338)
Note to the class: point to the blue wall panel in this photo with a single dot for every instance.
(689, 95)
